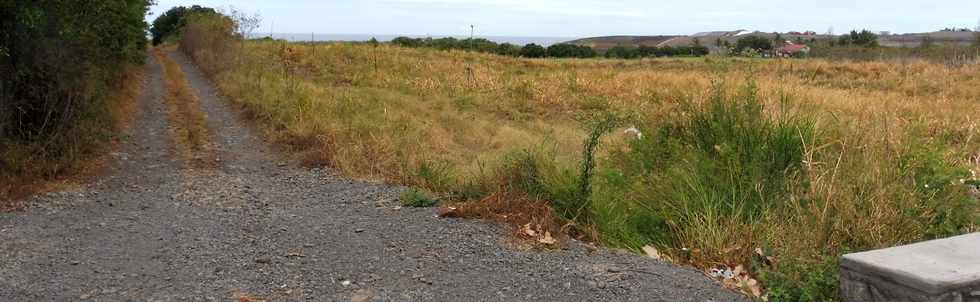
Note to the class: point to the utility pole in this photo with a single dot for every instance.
(472, 31)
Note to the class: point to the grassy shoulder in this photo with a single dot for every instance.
(774, 166)
(190, 131)
(75, 155)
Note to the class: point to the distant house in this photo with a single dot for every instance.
(790, 49)
(805, 33)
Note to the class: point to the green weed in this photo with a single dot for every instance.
(417, 198)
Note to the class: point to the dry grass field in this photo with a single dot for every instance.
(777, 166)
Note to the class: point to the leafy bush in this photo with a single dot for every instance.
(756, 43)
(171, 22)
(507, 49)
(864, 38)
(58, 66)
(623, 52)
(937, 185)
(565, 50)
(407, 42)
(533, 51)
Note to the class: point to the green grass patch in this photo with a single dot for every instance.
(417, 198)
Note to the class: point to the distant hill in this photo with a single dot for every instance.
(712, 39)
(939, 37)
(605, 43)
(709, 39)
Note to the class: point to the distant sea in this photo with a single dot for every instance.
(543, 41)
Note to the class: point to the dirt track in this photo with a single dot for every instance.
(153, 230)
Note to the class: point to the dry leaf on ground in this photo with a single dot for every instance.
(547, 239)
(651, 251)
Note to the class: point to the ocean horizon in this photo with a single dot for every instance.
(315, 37)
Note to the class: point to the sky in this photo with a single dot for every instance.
(584, 18)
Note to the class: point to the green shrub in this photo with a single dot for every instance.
(576, 206)
(623, 52)
(756, 43)
(726, 156)
(533, 51)
(944, 206)
(59, 65)
(520, 171)
(417, 198)
(816, 280)
(435, 176)
(565, 50)
(471, 190)
(725, 160)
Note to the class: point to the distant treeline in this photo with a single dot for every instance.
(643, 51)
(562, 50)
(505, 49)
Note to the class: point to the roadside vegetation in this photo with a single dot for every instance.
(68, 81)
(184, 110)
(771, 168)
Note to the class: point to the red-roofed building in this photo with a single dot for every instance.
(791, 49)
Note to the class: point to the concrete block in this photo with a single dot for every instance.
(944, 270)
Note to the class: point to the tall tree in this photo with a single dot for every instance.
(173, 20)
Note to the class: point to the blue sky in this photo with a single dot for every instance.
(579, 18)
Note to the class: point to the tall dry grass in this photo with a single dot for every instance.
(189, 122)
(821, 158)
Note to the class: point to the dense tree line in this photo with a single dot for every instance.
(59, 59)
(170, 22)
(756, 43)
(644, 51)
(561, 50)
(478, 44)
(864, 38)
(507, 49)
(533, 51)
(565, 50)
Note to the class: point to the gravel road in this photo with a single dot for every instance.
(151, 229)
